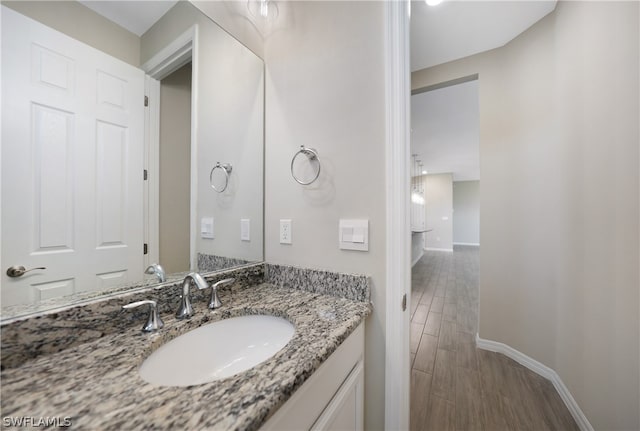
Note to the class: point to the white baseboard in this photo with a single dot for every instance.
(474, 244)
(417, 258)
(438, 249)
(544, 371)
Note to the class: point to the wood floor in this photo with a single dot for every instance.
(455, 386)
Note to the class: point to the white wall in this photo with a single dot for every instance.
(81, 23)
(438, 197)
(559, 163)
(230, 129)
(466, 212)
(325, 89)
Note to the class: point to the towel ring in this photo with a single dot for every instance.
(226, 168)
(311, 155)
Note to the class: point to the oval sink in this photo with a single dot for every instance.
(217, 350)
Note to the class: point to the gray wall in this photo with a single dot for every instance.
(438, 196)
(559, 164)
(81, 23)
(466, 212)
(325, 89)
(175, 170)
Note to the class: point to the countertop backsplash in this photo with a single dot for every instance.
(350, 286)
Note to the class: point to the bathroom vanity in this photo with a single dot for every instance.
(82, 362)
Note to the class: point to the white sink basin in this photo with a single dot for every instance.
(217, 350)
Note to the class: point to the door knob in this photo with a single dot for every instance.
(18, 271)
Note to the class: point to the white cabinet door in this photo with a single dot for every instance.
(72, 161)
(345, 412)
(332, 398)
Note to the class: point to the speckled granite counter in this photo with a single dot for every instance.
(96, 383)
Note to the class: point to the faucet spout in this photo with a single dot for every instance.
(186, 309)
(156, 269)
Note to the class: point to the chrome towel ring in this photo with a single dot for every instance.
(226, 168)
(311, 154)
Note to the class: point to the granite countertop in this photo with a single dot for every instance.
(97, 384)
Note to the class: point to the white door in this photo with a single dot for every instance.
(72, 164)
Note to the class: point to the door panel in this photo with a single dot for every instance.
(72, 161)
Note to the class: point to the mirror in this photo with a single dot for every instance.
(82, 213)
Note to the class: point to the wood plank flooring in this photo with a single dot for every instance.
(454, 385)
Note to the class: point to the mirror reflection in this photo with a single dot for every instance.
(124, 148)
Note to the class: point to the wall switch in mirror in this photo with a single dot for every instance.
(206, 227)
(245, 229)
(285, 231)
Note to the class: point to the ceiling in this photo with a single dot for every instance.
(135, 16)
(457, 29)
(445, 131)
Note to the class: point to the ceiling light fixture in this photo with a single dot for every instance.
(433, 2)
(424, 172)
(265, 9)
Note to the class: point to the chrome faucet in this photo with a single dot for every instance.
(214, 302)
(186, 310)
(156, 269)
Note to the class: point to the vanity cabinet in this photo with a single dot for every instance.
(333, 397)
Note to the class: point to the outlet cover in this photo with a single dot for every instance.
(285, 231)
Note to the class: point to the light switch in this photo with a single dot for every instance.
(245, 229)
(347, 234)
(358, 235)
(206, 227)
(354, 235)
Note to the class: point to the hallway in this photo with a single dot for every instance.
(455, 386)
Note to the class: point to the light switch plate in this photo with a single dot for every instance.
(354, 235)
(245, 229)
(285, 231)
(206, 227)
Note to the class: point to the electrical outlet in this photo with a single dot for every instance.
(285, 231)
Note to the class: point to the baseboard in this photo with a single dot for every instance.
(473, 244)
(544, 371)
(438, 249)
(417, 258)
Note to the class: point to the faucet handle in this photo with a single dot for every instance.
(154, 322)
(214, 302)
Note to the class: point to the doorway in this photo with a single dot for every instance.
(445, 137)
(175, 170)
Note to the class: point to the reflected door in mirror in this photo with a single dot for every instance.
(72, 157)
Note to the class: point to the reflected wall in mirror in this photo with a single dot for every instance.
(78, 143)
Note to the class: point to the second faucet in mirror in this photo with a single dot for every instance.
(156, 269)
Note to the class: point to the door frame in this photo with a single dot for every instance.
(398, 236)
(180, 51)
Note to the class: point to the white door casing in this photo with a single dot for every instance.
(398, 279)
(72, 147)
